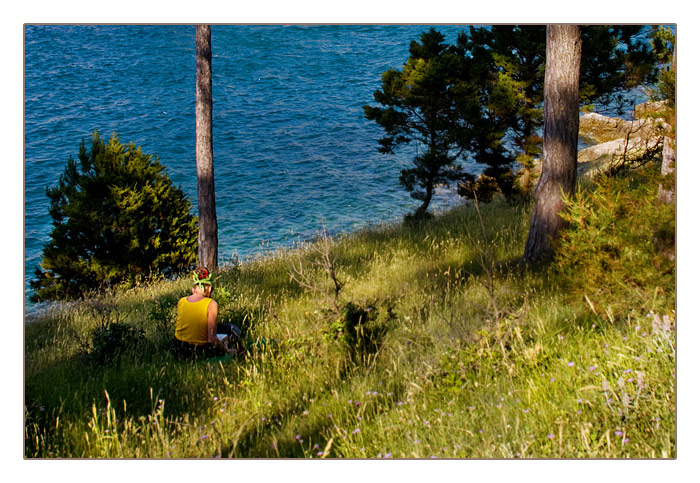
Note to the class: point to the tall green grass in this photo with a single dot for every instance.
(443, 346)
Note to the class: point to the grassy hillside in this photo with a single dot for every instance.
(438, 343)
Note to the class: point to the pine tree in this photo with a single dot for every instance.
(426, 104)
(117, 218)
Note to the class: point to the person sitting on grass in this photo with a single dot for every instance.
(195, 327)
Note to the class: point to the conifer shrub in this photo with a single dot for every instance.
(117, 219)
(620, 242)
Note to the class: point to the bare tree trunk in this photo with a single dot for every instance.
(668, 167)
(208, 228)
(560, 138)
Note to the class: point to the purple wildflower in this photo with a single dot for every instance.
(571, 364)
(550, 435)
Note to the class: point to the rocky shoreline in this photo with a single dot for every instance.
(615, 139)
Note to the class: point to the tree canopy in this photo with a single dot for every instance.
(116, 218)
(428, 104)
(483, 98)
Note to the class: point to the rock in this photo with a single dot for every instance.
(596, 128)
(649, 109)
(598, 158)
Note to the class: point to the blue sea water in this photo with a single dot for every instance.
(291, 145)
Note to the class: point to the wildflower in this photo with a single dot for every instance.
(215, 398)
(580, 401)
(350, 401)
(400, 403)
(552, 380)
(592, 368)
(526, 410)
(626, 440)
(205, 436)
(375, 393)
(571, 364)
(618, 433)
(550, 435)
(297, 437)
(305, 413)
(320, 453)
(388, 455)
(578, 412)
(433, 456)
(316, 446)
(357, 430)
(627, 371)
(358, 403)
(330, 416)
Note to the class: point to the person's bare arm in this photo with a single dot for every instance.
(212, 314)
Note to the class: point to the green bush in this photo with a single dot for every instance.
(117, 219)
(619, 245)
(110, 342)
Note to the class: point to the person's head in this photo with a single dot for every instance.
(202, 281)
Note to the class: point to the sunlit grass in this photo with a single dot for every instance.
(478, 357)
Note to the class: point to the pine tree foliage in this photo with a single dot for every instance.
(482, 98)
(117, 218)
(427, 104)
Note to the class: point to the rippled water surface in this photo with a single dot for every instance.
(291, 145)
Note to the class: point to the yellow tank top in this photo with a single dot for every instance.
(191, 325)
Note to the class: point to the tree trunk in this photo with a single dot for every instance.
(208, 229)
(560, 138)
(668, 167)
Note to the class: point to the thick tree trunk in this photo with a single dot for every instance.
(208, 228)
(560, 138)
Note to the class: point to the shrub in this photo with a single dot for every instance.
(117, 219)
(619, 243)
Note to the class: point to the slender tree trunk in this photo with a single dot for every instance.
(560, 138)
(208, 228)
(422, 209)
